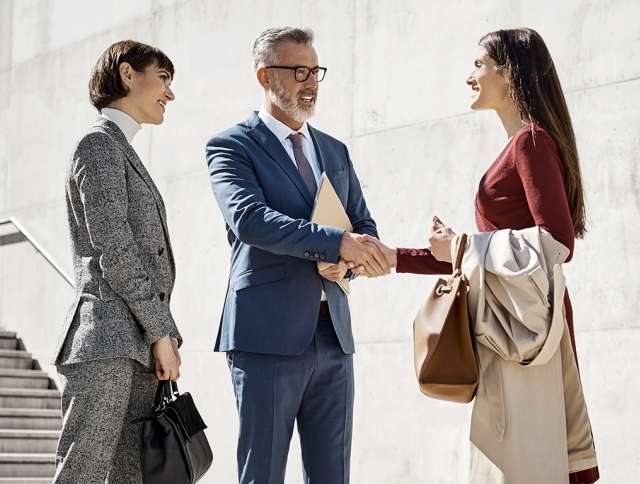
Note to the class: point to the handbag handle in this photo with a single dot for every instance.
(166, 392)
(461, 246)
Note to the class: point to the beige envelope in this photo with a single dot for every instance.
(328, 210)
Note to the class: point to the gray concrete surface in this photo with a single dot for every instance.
(395, 92)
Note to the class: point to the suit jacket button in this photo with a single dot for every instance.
(306, 254)
(317, 256)
(161, 296)
(161, 251)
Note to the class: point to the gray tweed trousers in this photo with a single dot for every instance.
(99, 442)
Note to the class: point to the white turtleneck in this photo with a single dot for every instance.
(126, 123)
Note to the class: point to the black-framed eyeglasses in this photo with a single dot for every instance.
(302, 73)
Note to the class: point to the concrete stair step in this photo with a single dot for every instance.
(8, 342)
(8, 334)
(30, 419)
(16, 359)
(27, 465)
(24, 441)
(19, 378)
(25, 480)
(29, 398)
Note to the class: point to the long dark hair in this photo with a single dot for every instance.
(535, 89)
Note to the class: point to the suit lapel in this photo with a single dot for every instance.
(328, 161)
(319, 148)
(144, 174)
(137, 165)
(272, 146)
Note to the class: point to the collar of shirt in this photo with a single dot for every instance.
(281, 130)
(126, 123)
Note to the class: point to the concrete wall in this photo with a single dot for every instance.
(395, 93)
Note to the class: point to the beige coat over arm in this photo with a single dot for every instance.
(530, 423)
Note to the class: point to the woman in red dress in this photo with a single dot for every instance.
(536, 179)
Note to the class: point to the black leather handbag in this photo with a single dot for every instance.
(175, 449)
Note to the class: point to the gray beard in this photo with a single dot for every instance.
(288, 104)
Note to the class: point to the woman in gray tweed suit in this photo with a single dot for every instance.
(120, 337)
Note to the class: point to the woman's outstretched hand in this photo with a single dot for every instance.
(388, 252)
(440, 240)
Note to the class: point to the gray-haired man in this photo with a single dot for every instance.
(286, 326)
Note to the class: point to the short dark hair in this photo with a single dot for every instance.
(105, 85)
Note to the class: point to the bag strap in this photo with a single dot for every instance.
(166, 392)
(461, 246)
(173, 388)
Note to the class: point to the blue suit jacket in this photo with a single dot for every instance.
(273, 296)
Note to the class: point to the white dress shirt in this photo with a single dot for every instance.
(126, 123)
(282, 132)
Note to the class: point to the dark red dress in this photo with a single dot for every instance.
(522, 188)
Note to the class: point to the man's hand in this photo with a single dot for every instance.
(389, 254)
(440, 240)
(167, 359)
(353, 248)
(333, 272)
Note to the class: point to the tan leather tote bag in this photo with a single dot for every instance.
(444, 350)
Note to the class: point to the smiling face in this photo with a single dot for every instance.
(149, 91)
(489, 84)
(289, 100)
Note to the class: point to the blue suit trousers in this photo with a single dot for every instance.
(314, 390)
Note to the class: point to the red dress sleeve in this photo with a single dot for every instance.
(421, 261)
(540, 168)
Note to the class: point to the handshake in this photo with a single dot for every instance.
(367, 256)
(363, 255)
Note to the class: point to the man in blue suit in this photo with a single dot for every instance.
(286, 326)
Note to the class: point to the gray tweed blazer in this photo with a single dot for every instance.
(122, 258)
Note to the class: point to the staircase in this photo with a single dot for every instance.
(29, 416)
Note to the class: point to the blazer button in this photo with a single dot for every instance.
(317, 256)
(161, 251)
(161, 296)
(307, 254)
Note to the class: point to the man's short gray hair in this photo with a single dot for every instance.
(264, 48)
